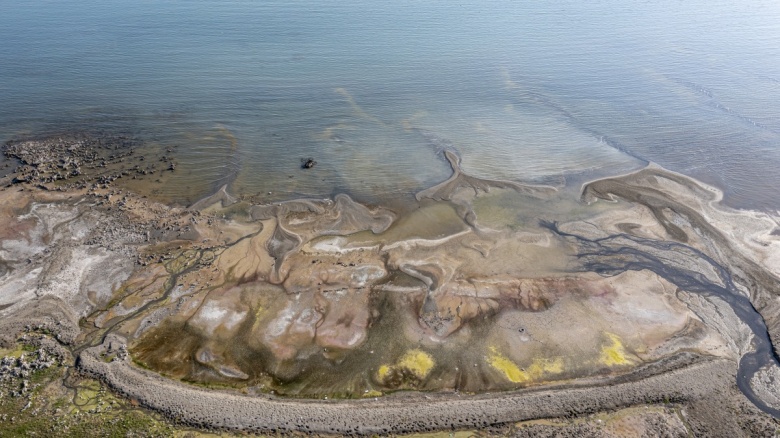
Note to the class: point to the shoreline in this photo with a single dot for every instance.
(680, 379)
(91, 228)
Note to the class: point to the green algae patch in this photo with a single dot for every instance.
(15, 352)
(87, 396)
(373, 393)
(82, 408)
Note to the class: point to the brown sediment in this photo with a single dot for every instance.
(693, 208)
(459, 180)
(221, 197)
(450, 189)
(481, 286)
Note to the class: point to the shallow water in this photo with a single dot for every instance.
(525, 90)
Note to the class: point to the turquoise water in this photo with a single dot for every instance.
(532, 91)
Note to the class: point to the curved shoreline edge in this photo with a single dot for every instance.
(689, 211)
(682, 378)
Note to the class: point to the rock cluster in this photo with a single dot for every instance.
(20, 368)
(56, 158)
(80, 160)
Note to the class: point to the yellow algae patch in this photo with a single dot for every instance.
(539, 368)
(542, 366)
(417, 362)
(614, 353)
(383, 371)
(258, 315)
(511, 371)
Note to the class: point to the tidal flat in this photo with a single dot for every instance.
(472, 304)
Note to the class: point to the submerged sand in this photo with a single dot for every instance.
(640, 289)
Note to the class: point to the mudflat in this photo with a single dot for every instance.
(475, 304)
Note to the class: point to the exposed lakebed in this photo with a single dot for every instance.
(471, 286)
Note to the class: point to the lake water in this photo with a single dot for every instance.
(534, 91)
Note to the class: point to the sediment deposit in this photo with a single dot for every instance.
(477, 303)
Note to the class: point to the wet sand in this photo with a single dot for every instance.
(645, 289)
